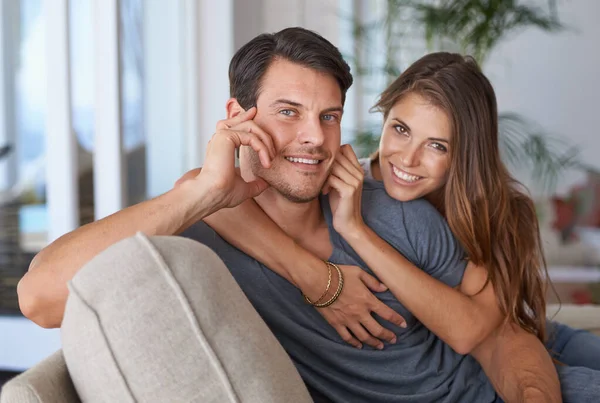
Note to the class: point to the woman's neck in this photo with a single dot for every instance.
(375, 169)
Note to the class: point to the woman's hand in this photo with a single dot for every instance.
(344, 186)
(351, 315)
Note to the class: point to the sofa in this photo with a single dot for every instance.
(160, 319)
(115, 336)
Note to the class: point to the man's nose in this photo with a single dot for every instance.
(311, 132)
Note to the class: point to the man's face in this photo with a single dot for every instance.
(302, 109)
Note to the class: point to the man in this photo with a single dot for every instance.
(292, 85)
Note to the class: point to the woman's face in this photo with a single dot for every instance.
(414, 152)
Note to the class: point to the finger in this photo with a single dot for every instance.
(325, 189)
(361, 334)
(356, 171)
(378, 331)
(347, 336)
(343, 174)
(387, 313)
(221, 155)
(373, 284)
(348, 151)
(256, 187)
(237, 119)
(251, 127)
(252, 140)
(340, 186)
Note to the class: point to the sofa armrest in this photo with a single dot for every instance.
(47, 382)
(586, 317)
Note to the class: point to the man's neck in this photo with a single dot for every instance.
(303, 222)
(297, 219)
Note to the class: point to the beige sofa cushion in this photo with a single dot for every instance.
(162, 320)
(585, 317)
(47, 382)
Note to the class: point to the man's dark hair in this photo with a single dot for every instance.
(297, 45)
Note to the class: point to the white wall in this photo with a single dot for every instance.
(553, 80)
(164, 96)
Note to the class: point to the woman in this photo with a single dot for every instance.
(439, 141)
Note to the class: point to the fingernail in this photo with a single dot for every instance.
(383, 287)
(403, 325)
(394, 340)
(380, 347)
(359, 346)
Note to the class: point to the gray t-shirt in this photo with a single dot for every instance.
(419, 367)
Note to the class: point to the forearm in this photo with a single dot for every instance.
(453, 316)
(43, 290)
(249, 229)
(518, 365)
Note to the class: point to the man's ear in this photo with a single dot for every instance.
(233, 108)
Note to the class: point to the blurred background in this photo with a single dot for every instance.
(105, 103)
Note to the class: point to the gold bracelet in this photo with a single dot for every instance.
(337, 292)
(326, 289)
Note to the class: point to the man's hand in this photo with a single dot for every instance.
(219, 178)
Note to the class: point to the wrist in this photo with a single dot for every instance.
(353, 232)
(196, 200)
(311, 277)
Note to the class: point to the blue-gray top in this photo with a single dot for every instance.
(419, 367)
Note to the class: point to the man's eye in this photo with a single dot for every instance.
(287, 112)
(329, 118)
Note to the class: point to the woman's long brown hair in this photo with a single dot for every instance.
(486, 208)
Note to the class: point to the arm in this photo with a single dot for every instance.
(518, 365)
(351, 314)
(274, 248)
(462, 318)
(43, 290)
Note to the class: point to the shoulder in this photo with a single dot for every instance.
(204, 234)
(401, 224)
(378, 205)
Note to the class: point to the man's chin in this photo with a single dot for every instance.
(300, 199)
(296, 196)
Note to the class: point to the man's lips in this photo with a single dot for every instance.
(304, 159)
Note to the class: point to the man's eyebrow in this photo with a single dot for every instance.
(286, 101)
(299, 105)
(334, 109)
(429, 138)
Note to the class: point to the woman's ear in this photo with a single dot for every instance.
(233, 108)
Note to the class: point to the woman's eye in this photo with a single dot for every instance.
(287, 112)
(401, 129)
(439, 147)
